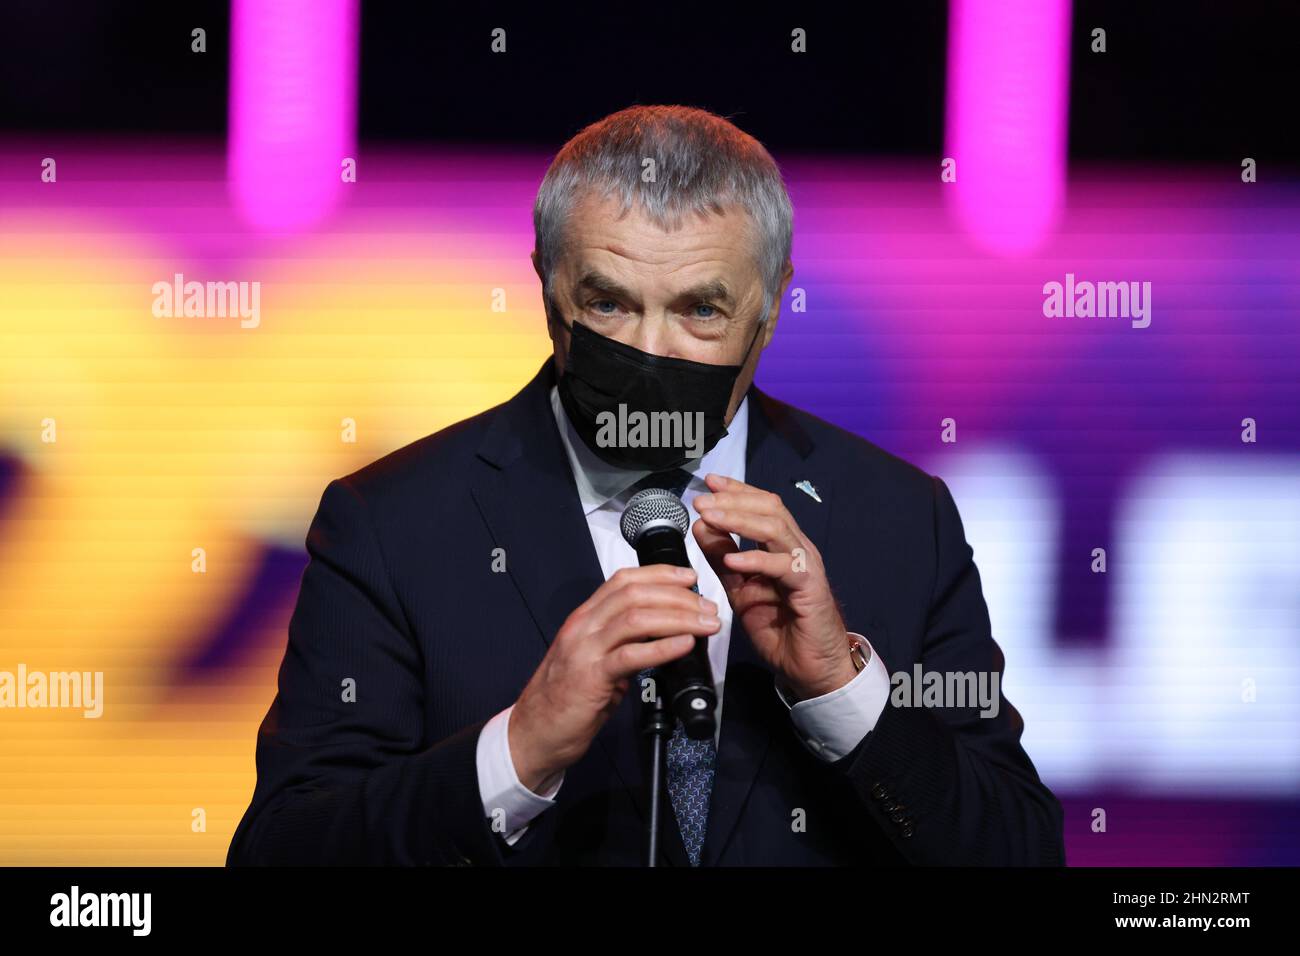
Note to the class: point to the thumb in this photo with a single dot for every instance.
(716, 545)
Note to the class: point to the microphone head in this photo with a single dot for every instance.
(653, 508)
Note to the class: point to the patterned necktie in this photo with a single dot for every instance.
(690, 762)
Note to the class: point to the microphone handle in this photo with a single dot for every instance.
(686, 684)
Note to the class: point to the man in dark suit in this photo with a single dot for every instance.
(473, 641)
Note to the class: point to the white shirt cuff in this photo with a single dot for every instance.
(833, 724)
(507, 802)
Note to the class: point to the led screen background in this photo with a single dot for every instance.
(1165, 691)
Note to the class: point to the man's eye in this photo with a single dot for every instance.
(712, 311)
(599, 304)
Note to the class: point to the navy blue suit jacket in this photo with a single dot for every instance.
(400, 596)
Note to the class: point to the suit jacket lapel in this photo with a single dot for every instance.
(530, 504)
(775, 460)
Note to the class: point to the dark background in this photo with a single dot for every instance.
(1179, 81)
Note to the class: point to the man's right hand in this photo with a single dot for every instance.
(639, 618)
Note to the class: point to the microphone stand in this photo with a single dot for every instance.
(654, 523)
(657, 724)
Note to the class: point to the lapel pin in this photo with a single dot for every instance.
(808, 489)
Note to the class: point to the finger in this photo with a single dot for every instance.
(738, 493)
(630, 659)
(651, 574)
(642, 622)
(715, 545)
(720, 484)
(732, 495)
(758, 592)
(744, 588)
(776, 565)
(663, 597)
(754, 502)
(773, 533)
(739, 497)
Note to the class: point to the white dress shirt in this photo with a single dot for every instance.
(830, 725)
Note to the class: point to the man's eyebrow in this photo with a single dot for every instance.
(715, 290)
(598, 282)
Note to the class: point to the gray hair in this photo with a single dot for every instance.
(702, 163)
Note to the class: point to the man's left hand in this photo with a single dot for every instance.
(779, 593)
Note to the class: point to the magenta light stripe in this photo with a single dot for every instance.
(1008, 77)
(293, 88)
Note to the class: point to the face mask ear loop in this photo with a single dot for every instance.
(751, 345)
(552, 312)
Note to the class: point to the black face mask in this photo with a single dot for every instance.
(601, 375)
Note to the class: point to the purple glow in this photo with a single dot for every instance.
(1008, 75)
(293, 84)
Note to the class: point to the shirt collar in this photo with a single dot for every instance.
(600, 482)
